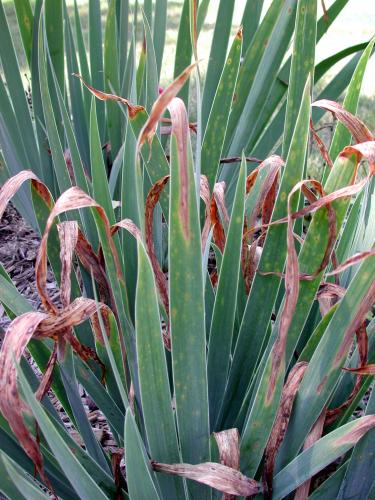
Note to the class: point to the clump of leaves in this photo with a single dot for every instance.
(226, 341)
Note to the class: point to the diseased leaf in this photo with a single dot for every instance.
(217, 476)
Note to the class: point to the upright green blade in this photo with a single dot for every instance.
(159, 31)
(153, 377)
(215, 131)
(96, 59)
(140, 478)
(220, 340)
(187, 320)
(303, 62)
(112, 80)
(54, 27)
(25, 19)
(218, 54)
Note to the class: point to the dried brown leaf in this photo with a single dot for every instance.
(133, 109)
(217, 476)
(17, 336)
(356, 127)
(229, 452)
(281, 423)
(161, 104)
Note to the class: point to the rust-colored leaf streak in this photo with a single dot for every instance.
(217, 476)
(151, 202)
(362, 426)
(356, 127)
(229, 452)
(316, 432)
(180, 129)
(281, 423)
(161, 104)
(133, 109)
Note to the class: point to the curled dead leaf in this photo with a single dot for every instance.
(133, 109)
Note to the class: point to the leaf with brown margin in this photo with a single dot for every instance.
(356, 127)
(217, 476)
(12, 185)
(316, 432)
(151, 202)
(133, 109)
(161, 104)
(363, 425)
(280, 425)
(180, 130)
(129, 225)
(229, 452)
